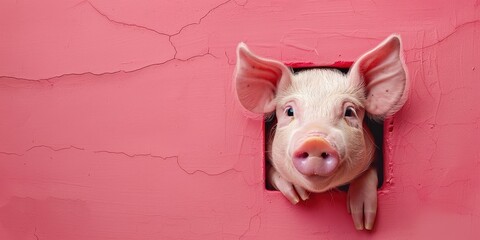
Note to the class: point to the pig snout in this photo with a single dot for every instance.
(315, 156)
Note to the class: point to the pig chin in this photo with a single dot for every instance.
(321, 183)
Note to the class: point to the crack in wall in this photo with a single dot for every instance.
(257, 215)
(35, 234)
(122, 23)
(41, 146)
(134, 155)
(203, 17)
(134, 26)
(130, 155)
(199, 21)
(458, 27)
(170, 36)
(51, 79)
(228, 59)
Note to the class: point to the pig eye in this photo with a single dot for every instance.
(350, 112)
(289, 111)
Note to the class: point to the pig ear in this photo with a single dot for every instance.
(383, 74)
(257, 80)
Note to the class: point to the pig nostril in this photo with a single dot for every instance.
(303, 155)
(324, 155)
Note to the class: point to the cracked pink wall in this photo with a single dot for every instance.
(118, 120)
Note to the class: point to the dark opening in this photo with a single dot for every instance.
(375, 127)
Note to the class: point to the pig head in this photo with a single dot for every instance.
(320, 140)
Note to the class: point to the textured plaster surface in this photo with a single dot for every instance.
(117, 119)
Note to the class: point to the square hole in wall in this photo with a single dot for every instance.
(377, 129)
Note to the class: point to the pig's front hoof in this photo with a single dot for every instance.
(292, 192)
(362, 200)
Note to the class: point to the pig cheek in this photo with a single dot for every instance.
(281, 160)
(337, 139)
(353, 141)
(357, 158)
(349, 144)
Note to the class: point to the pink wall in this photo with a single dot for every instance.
(117, 119)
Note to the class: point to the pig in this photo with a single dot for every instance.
(321, 140)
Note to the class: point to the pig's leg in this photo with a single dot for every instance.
(292, 192)
(362, 199)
